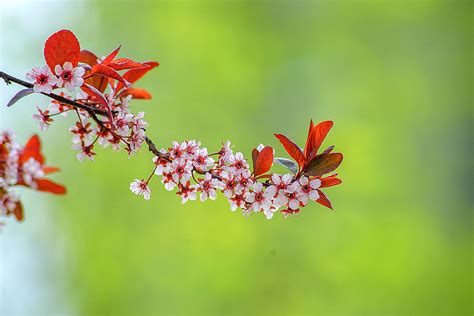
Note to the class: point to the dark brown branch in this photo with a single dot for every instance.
(9, 79)
(91, 110)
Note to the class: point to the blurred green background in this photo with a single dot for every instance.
(395, 76)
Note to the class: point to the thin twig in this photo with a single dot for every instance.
(9, 79)
(91, 110)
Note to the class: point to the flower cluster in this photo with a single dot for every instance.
(99, 86)
(190, 170)
(97, 92)
(22, 166)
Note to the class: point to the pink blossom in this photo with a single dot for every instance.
(43, 119)
(31, 170)
(310, 188)
(202, 161)
(68, 76)
(187, 192)
(43, 79)
(257, 198)
(140, 187)
(85, 151)
(208, 187)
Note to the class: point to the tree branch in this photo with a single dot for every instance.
(9, 79)
(91, 110)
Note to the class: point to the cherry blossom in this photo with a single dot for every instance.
(68, 76)
(310, 188)
(140, 187)
(187, 192)
(258, 199)
(208, 187)
(32, 170)
(42, 78)
(43, 119)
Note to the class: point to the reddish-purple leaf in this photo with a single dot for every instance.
(111, 56)
(330, 181)
(18, 212)
(308, 142)
(323, 200)
(46, 185)
(137, 93)
(99, 97)
(322, 164)
(292, 149)
(32, 149)
(61, 47)
(125, 63)
(98, 82)
(264, 161)
(106, 71)
(317, 136)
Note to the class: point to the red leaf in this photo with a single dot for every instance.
(292, 149)
(106, 71)
(125, 63)
(318, 134)
(308, 143)
(32, 149)
(98, 82)
(330, 181)
(137, 93)
(111, 56)
(255, 153)
(328, 150)
(323, 200)
(46, 185)
(134, 75)
(18, 212)
(264, 161)
(48, 170)
(61, 47)
(322, 164)
(98, 96)
(87, 57)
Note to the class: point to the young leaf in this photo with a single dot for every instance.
(111, 56)
(98, 82)
(292, 149)
(125, 63)
(137, 93)
(21, 94)
(50, 186)
(255, 153)
(264, 161)
(322, 164)
(134, 75)
(106, 71)
(318, 134)
(323, 200)
(18, 212)
(48, 170)
(308, 142)
(328, 150)
(287, 163)
(330, 181)
(61, 47)
(32, 149)
(98, 96)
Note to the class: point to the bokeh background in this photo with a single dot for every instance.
(395, 76)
